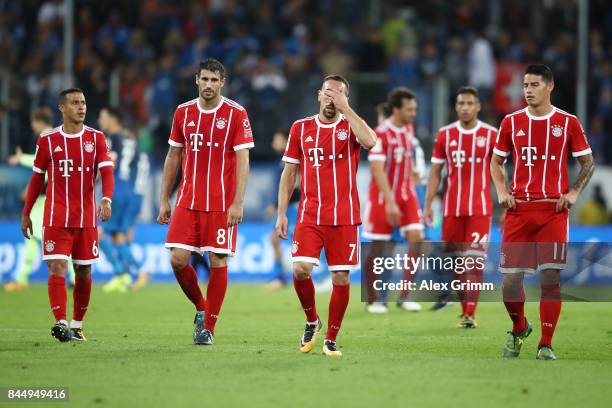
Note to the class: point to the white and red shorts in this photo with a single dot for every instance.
(377, 228)
(62, 243)
(341, 245)
(466, 235)
(200, 231)
(535, 238)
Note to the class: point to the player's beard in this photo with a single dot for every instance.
(329, 111)
(208, 96)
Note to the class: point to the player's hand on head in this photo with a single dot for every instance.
(234, 215)
(339, 99)
(26, 226)
(164, 213)
(282, 226)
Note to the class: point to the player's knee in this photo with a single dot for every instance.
(217, 260)
(340, 278)
(82, 270)
(302, 270)
(178, 262)
(57, 268)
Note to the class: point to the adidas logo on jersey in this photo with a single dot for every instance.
(192, 123)
(309, 139)
(453, 143)
(520, 133)
(57, 149)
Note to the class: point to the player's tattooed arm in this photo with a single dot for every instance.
(285, 189)
(587, 168)
(171, 165)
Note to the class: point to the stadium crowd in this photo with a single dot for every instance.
(148, 50)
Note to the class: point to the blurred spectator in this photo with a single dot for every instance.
(371, 52)
(481, 66)
(403, 68)
(594, 211)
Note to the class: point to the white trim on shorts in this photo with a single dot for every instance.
(551, 266)
(306, 259)
(417, 226)
(182, 246)
(85, 261)
(334, 268)
(376, 237)
(215, 250)
(529, 271)
(55, 257)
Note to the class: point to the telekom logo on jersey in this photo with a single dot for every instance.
(196, 140)
(66, 167)
(316, 156)
(530, 154)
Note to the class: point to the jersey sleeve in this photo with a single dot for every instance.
(41, 157)
(377, 153)
(243, 134)
(438, 155)
(293, 151)
(503, 142)
(103, 158)
(579, 145)
(177, 139)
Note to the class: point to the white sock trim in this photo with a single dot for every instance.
(316, 322)
(76, 324)
(63, 321)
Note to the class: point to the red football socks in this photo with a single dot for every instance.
(550, 308)
(337, 307)
(56, 286)
(514, 300)
(306, 293)
(188, 280)
(215, 293)
(80, 295)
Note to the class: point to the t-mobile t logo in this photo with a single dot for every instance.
(529, 154)
(65, 166)
(458, 157)
(316, 155)
(196, 140)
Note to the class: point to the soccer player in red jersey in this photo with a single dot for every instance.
(71, 155)
(465, 147)
(325, 147)
(393, 203)
(536, 228)
(213, 134)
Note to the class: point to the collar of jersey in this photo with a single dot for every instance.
(210, 110)
(548, 115)
(394, 128)
(463, 130)
(327, 125)
(61, 130)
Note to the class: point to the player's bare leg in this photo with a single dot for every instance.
(188, 281)
(375, 304)
(278, 281)
(550, 308)
(514, 300)
(302, 282)
(415, 242)
(337, 307)
(81, 295)
(57, 298)
(215, 293)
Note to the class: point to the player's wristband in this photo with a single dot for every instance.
(108, 199)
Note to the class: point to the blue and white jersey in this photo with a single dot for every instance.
(132, 166)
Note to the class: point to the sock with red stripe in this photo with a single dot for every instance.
(215, 293)
(80, 295)
(550, 308)
(306, 293)
(514, 300)
(337, 307)
(188, 280)
(56, 286)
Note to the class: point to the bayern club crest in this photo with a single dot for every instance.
(557, 130)
(342, 134)
(88, 146)
(294, 247)
(49, 246)
(221, 123)
(481, 141)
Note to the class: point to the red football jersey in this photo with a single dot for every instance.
(467, 155)
(539, 146)
(395, 146)
(71, 162)
(210, 139)
(328, 154)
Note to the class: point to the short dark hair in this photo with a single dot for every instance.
(339, 78)
(212, 65)
(542, 70)
(62, 95)
(114, 112)
(396, 97)
(470, 90)
(383, 109)
(42, 114)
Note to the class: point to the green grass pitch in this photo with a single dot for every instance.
(140, 354)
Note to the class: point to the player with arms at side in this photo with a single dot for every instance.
(465, 147)
(393, 202)
(536, 227)
(325, 147)
(71, 155)
(214, 136)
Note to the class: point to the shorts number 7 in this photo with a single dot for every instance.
(353, 247)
